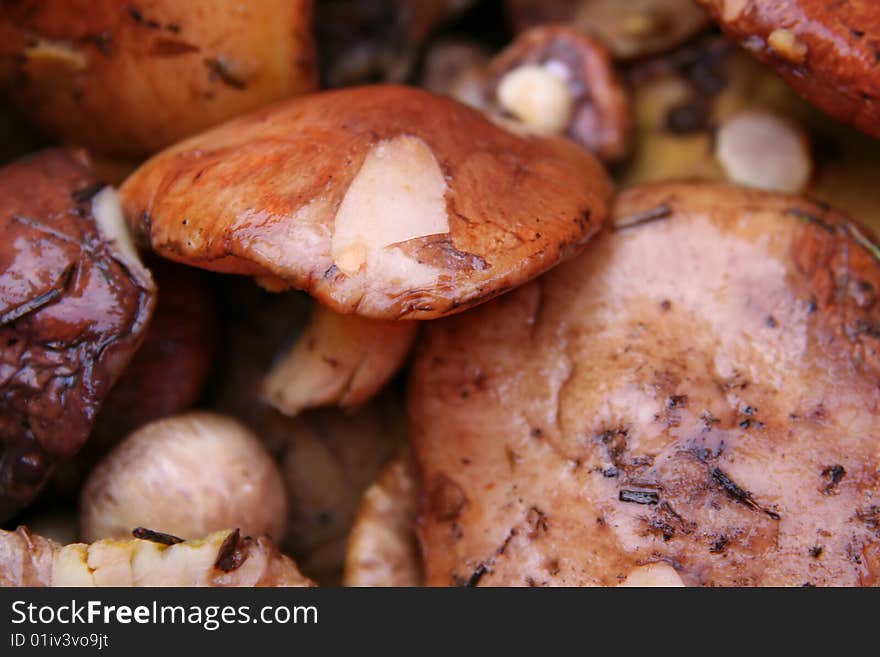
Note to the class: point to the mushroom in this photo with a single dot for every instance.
(383, 201)
(75, 302)
(555, 80)
(339, 360)
(129, 78)
(335, 361)
(382, 548)
(186, 475)
(376, 40)
(630, 29)
(826, 51)
(330, 458)
(386, 202)
(223, 558)
(698, 389)
(684, 99)
(168, 372)
(764, 150)
(164, 377)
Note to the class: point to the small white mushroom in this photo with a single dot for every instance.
(538, 96)
(186, 475)
(760, 149)
(653, 575)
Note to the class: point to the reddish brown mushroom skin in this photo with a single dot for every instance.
(827, 51)
(72, 313)
(263, 195)
(128, 78)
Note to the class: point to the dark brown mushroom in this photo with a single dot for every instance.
(74, 306)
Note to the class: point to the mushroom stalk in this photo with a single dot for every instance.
(339, 360)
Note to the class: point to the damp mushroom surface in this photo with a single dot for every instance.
(698, 391)
(384, 201)
(75, 303)
(827, 51)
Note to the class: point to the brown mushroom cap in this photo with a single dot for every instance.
(73, 309)
(129, 78)
(827, 51)
(600, 112)
(384, 201)
(699, 389)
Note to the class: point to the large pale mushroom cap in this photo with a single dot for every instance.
(385, 201)
(699, 390)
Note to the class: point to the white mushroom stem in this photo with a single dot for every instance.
(107, 210)
(339, 360)
(538, 96)
(760, 149)
(653, 575)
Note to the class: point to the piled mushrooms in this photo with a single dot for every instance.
(564, 293)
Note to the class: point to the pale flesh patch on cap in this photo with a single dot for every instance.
(398, 195)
